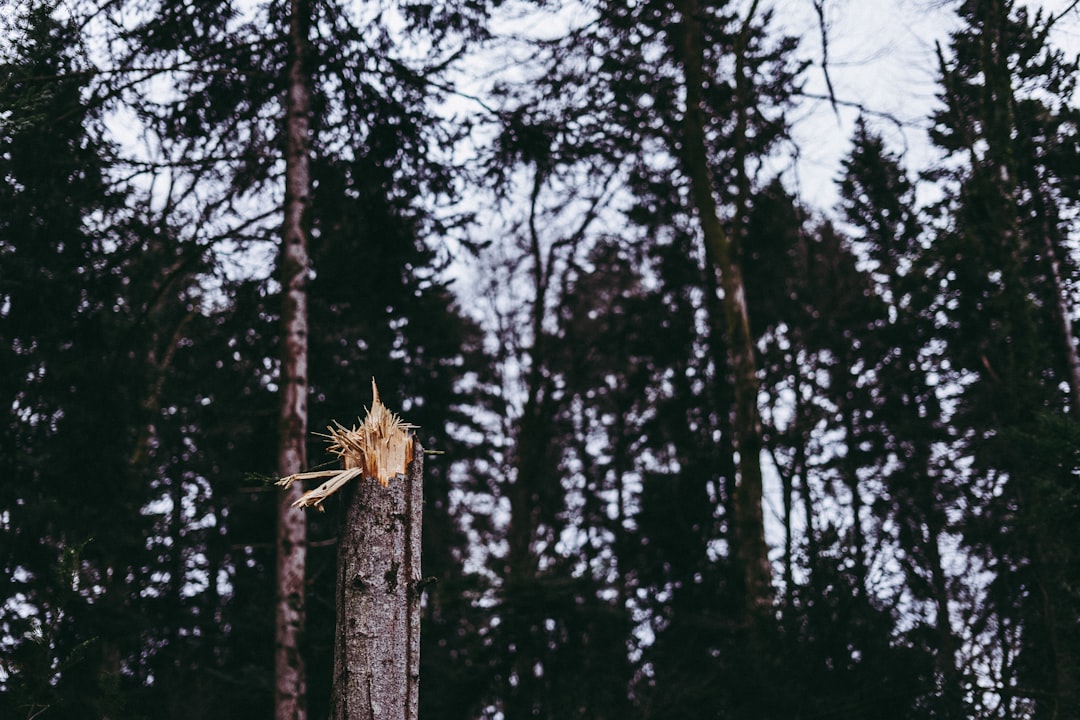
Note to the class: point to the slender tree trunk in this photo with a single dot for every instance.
(951, 683)
(290, 682)
(787, 481)
(527, 494)
(750, 550)
(851, 479)
(803, 426)
(377, 645)
(1057, 285)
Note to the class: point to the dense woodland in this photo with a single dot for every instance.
(706, 452)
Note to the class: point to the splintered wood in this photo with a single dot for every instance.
(380, 448)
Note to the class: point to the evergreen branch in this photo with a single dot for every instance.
(451, 90)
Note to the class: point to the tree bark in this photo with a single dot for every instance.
(750, 550)
(290, 682)
(1061, 303)
(377, 643)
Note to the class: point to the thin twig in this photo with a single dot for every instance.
(819, 7)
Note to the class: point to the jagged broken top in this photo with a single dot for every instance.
(381, 447)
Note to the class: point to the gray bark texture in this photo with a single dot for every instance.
(377, 641)
(290, 680)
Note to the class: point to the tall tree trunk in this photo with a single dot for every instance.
(528, 494)
(947, 645)
(1050, 238)
(290, 682)
(801, 467)
(851, 479)
(750, 551)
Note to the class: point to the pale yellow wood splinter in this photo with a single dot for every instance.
(380, 448)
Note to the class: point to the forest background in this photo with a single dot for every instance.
(717, 440)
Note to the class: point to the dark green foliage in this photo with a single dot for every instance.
(1004, 273)
(72, 390)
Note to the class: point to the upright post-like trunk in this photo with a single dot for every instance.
(851, 479)
(290, 682)
(750, 550)
(801, 468)
(377, 644)
(1049, 238)
(531, 482)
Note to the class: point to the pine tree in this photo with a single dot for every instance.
(95, 305)
(1007, 121)
(878, 201)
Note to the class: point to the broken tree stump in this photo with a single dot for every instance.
(377, 637)
(377, 642)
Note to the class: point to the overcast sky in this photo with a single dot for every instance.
(881, 54)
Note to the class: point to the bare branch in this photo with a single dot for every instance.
(819, 8)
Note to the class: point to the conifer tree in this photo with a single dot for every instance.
(1007, 120)
(96, 301)
(878, 201)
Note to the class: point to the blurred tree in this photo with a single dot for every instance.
(94, 306)
(822, 322)
(557, 619)
(917, 485)
(1009, 126)
(688, 41)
